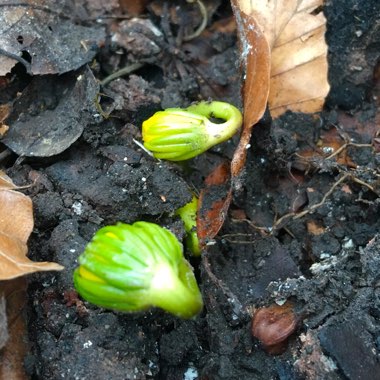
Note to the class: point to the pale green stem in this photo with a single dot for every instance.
(220, 110)
(176, 293)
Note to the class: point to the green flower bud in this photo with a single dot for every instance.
(179, 134)
(188, 214)
(133, 267)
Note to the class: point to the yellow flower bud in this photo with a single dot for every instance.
(179, 134)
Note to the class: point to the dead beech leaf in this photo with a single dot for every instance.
(16, 214)
(6, 182)
(13, 260)
(255, 55)
(16, 224)
(54, 126)
(45, 31)
(215, 198)
(214, 201)
(295, 32)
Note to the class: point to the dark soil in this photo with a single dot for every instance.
(325, 263)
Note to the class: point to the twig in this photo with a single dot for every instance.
(346, 145)
(310, 209)
(227, 237)
(314, 206)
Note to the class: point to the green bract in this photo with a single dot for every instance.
(132, 267)
(179, 134)
(188, 214)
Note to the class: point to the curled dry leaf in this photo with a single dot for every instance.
(294, 30)
(283, 54)
(16, 224)
(255, 56)
(214, 201)
(45, 33)
(54, 125)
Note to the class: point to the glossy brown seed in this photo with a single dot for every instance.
(272, 326)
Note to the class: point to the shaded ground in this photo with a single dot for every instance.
(326, 263)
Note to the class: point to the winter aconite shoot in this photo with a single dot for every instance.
(179, 134)
(133, 267)
(188, 214)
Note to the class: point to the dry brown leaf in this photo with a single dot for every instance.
(295, 32)
(6, 182)
(214, 201)
(13, 260)
(64, 46)
(255, 55)
(16, 224)
(16, 215)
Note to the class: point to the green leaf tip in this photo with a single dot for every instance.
(188, 214)
(179, 134)
(134, 267)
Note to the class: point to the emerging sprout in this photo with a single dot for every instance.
(188, 214)
(132, 267)
(179, 134)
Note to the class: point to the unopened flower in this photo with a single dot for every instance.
(133, 267)
(179, 134)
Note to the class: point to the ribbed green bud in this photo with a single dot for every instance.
(179, 134)
(133, 267)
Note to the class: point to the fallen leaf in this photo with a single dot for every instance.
(44, 33)
(255, 56)
(283, 57)
(214, 201)
(6, 182)
(48, 117)
(16, 224)
(294, 30)
(16, 215)
(14, 262)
